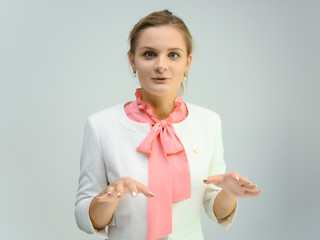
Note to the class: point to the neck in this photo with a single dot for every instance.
(163, 105)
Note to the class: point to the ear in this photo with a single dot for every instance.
(189, 60)
(131, 60)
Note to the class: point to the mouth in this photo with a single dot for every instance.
(160, 78)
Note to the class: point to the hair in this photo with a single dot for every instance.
(161, 18)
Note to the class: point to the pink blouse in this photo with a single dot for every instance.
(168, 172)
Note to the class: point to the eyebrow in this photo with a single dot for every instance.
(170, 49)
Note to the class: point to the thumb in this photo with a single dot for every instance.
(215, 179)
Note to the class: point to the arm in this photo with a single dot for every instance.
(92, 182)
(101, 212)
(224, 204)
(233, 187)
(218, 204)
(225, 188)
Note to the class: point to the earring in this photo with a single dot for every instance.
(134, 73)
(185, 76)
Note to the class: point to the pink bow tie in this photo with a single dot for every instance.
(169, 176)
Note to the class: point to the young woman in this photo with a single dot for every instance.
(147, 166)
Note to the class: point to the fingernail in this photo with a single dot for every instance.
(205, 180)
(151, 194)
(108, 193)
(134, 194)
(237, 178)
(118, 194)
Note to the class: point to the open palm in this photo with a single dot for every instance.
(238, 186)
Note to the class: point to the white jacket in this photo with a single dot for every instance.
(109, 153)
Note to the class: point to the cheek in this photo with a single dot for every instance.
(178, 69)
(144, 67)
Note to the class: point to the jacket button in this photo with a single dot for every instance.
(195, 149)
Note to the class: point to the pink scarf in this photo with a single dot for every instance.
(169, 173)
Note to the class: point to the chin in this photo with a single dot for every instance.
(159, 90)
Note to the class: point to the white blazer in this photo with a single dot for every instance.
(109, 153)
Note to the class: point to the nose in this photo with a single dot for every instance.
(160, 64)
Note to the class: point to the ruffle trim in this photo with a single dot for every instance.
(148, 109)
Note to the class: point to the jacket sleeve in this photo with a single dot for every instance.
(92, 180)
(217, 166)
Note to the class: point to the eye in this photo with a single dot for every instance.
(149, 54)
(174, 55)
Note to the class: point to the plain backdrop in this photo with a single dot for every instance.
(256, 63)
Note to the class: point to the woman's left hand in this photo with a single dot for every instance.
(237, 186)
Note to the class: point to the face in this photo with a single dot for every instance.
(160, 60)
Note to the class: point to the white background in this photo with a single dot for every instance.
(256, 63)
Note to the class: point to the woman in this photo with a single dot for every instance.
(168, 150)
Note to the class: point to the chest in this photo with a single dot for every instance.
(121, 158)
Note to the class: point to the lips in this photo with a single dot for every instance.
(160, 78)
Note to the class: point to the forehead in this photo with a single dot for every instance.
(161, 37)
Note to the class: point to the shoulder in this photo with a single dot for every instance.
(106, 115)
(201, 112)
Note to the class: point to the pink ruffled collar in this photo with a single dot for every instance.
(174, 116)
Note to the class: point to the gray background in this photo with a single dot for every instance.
(256, 63)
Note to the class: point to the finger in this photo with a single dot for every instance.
(252, 193)
(119, 189)
(234, 175)
(132, 189)
(107, 195)
(244, 181)
(144, 189)
(104, 198)
(215, 179)
(250, 187)
(131, 186)
(110, 191)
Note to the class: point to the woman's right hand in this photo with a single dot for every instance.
(120, 187)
